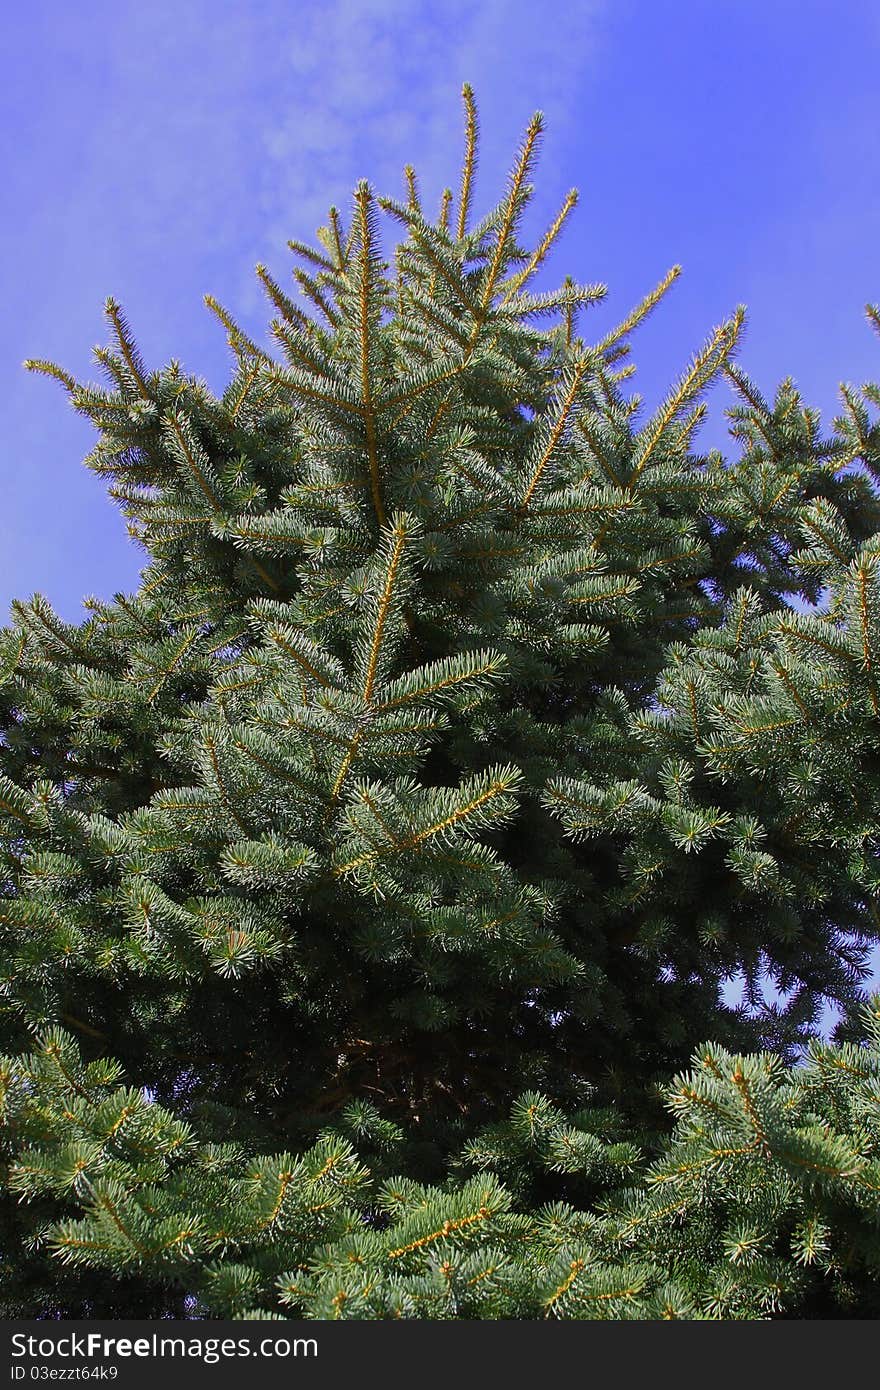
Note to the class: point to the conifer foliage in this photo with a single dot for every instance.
(368, 873)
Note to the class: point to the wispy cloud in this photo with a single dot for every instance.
(361, 87)
(157, 151)
(228, 128)
(233, 128)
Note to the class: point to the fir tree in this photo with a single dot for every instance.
(368, 872)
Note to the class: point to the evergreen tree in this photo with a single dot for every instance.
(368, 872)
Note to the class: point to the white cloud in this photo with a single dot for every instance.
(211, 131)
(364, 86)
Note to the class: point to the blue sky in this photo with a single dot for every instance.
(157, 151)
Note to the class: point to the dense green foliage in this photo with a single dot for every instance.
(765, 1199)
(394, 840)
